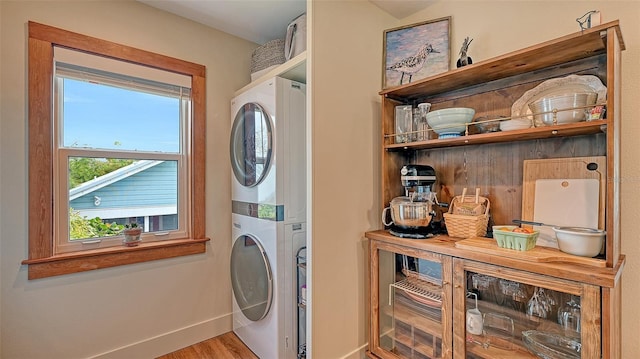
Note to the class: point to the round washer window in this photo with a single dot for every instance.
(251, 277)
(251, 140)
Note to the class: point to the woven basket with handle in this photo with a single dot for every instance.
(466, 225)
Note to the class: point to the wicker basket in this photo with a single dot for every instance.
(267, 55)
(464, 226)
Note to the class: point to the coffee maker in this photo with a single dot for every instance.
(412, 214)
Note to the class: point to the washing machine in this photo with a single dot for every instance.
(267, 151)
(268, 159)
(263, 281)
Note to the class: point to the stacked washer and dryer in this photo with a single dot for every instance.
(268, 214)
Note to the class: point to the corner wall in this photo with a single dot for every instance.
(346, 77)
(140, 310)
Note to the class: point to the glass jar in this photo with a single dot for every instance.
(404, 124)
(422, 127)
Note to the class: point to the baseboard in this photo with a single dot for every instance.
(358, 353)
(172, 341)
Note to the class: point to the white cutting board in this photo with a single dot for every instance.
(565, 202)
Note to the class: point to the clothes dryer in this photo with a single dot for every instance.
(268, 210)
(267, 150)
(263, 280)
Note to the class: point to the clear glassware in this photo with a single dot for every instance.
(421, 123)
(569, 315)
(541, 304)
(404, 124)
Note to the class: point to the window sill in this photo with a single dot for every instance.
(76, 262)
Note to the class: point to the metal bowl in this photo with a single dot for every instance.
(408, 214)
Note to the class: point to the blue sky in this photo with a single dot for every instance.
(99, 116)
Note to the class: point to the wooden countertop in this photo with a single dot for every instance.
(443, 244)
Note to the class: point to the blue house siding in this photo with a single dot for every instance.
(155, 186)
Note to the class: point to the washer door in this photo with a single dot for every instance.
(251, 277)
(251, 141)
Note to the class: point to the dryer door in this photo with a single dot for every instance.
(251, 143)
(251, 277)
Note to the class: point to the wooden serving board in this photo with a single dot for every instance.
(551, 186)
(537, 254)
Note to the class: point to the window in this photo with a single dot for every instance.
(119, 150)
(116, 135)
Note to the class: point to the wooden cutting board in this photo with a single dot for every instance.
(537, 254)
(564, 191)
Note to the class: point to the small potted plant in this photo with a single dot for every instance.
(131, 234)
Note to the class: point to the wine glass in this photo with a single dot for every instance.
(569, 315)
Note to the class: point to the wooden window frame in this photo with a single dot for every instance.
(43, 262)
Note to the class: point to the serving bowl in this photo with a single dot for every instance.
(450, 121)
(585, 242)
(570, 108)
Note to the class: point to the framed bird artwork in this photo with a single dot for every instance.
(415, 51)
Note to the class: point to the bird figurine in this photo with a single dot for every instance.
(412, 64)
(464, 59)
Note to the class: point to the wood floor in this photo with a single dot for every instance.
(225, 346)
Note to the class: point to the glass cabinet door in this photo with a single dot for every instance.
(413, 302)
(505, 313)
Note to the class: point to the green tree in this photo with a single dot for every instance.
(83, 169)
(82, 228)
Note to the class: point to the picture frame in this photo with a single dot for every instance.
(415, 51)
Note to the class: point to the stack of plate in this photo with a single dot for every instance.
(515, 124)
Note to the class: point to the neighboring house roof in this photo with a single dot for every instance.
(111, 177)
(143, 188)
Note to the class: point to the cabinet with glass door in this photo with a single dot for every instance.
(412, 295)
(506, 313)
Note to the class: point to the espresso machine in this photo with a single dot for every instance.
(412, 214)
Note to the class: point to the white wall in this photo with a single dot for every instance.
(149, 308)
(346, 65)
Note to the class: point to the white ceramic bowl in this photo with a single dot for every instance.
(450, 120)
(579, 241)
(518, 124)
(566, 102)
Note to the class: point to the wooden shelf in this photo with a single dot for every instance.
(534, 133)
(497, 353)
(572, 47)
